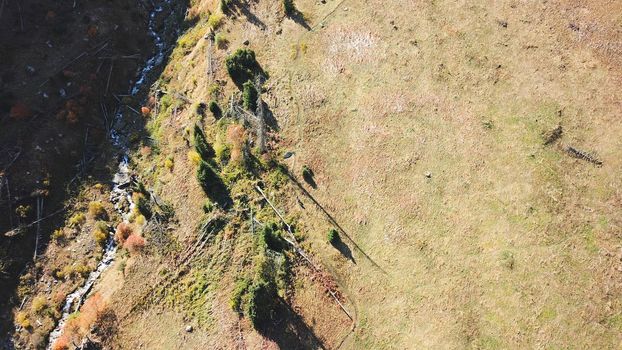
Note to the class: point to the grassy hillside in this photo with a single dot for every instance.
(440, 174)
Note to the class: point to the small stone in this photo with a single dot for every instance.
(30, 69)
(279, 31)
(246, 42)
(428, 174)
(188, 329)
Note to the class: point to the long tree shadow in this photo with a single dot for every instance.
(343, 248)
(332, 220)
(269, 117)
(289, 330)
(299, 18)
(242, 7)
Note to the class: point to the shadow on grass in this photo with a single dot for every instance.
(289, 330)
(242, 7)
(269, 118)
(213, 185)
(299, 18)
(343, 248)
(310, 180)
(332, 220)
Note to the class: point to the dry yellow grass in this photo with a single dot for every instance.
(423, 124)
(509, 244)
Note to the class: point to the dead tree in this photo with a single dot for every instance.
(256, 121)
(261, 117)
(210, 70)
(38, 234)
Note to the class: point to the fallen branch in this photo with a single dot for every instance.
(301, 252)
(577, 153)
(21, 18)
(16, 230)
(108, 81)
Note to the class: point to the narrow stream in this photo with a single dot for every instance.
(122, 180)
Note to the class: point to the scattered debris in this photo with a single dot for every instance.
(553, 135)
(189, 329)
(577, 153)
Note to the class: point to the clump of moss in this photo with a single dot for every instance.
(97, 210)
(100, 233)
(169, 163)
(249, 96)
(215, 20)
(77, 220)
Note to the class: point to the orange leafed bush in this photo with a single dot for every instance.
(90, 311)
(134, 243)
(77, 327)
(62, 343)
(124, 230)
(146, 111)
(20, 111)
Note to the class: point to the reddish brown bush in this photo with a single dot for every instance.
(70, 112)
(69, 74)
(20, 111)
(145, 151)
(90, 311)
(77, 327)
(146, 111)
(62, 343)
(124, 230)
(134, 243)
(92, 31)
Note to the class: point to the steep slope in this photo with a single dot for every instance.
(395, 175)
